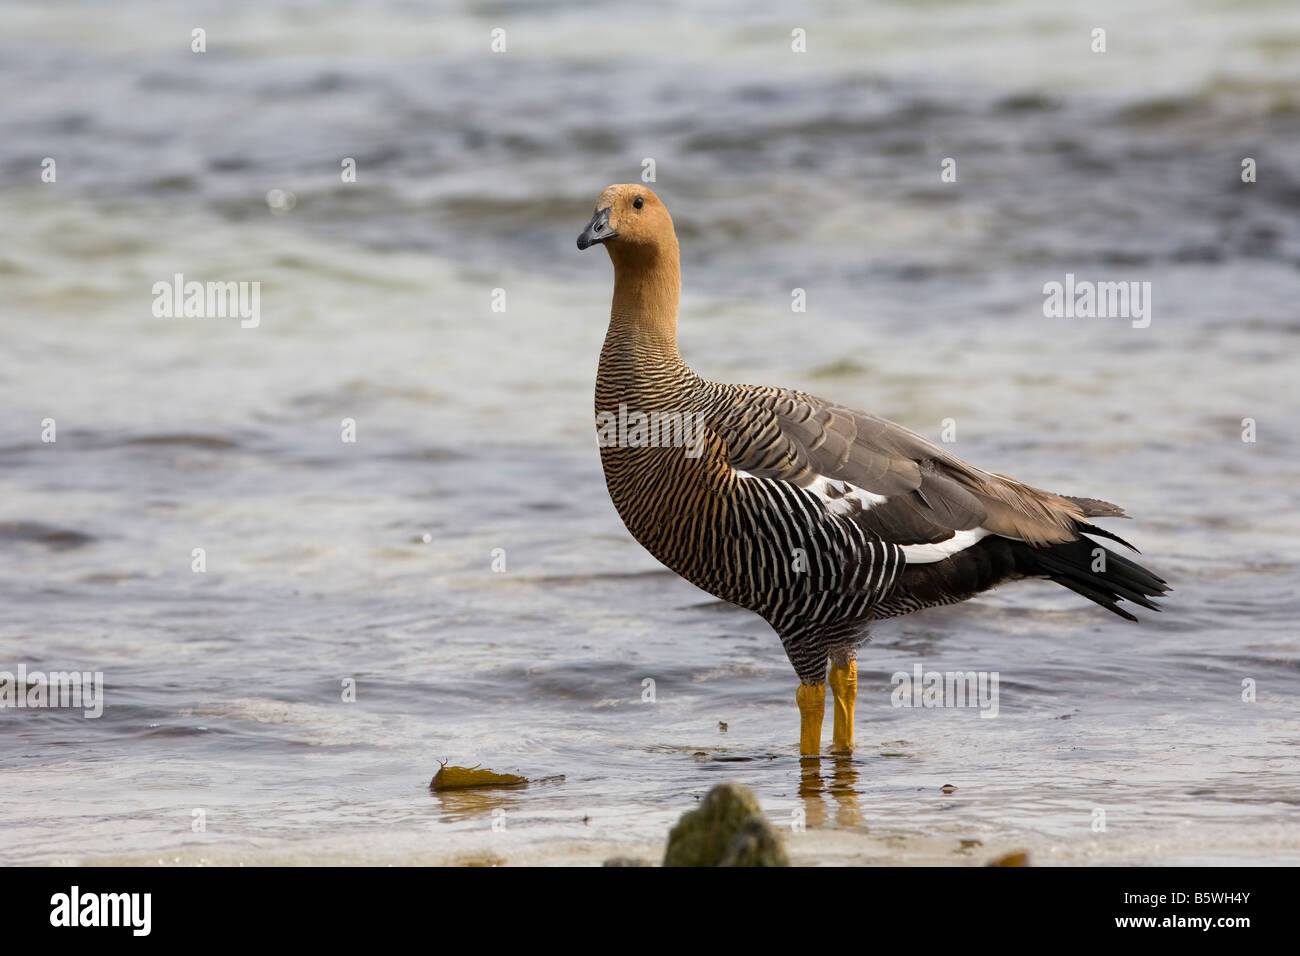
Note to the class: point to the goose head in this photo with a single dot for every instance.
(629, 221)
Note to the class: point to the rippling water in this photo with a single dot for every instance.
(372, 561)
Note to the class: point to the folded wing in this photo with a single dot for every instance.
(892, 481)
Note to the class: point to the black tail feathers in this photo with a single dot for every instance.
(1101, 575)
(996, 559)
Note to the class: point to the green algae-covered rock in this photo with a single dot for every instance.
(727, 829)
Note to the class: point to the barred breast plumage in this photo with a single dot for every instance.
(818, 517)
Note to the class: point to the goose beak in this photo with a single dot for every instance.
(597, 230)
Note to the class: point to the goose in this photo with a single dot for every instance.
(820, 518)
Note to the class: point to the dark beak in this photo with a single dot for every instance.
(597, 230)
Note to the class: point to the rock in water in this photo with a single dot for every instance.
(1018, 858)
(727, 829)
(755, 844)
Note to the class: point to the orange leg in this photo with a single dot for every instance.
(844, 686)
(811, 699)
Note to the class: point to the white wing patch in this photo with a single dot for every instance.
(839, 497)
(842, 498)
(929, 553)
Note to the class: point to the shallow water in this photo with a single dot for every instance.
(372, 561)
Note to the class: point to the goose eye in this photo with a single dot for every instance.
(638, 202)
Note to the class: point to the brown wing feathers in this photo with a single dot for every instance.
(923, 495)
(932, 492)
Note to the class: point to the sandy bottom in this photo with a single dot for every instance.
(810, 848)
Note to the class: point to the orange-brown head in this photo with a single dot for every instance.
(630, 222)
(637, 232)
